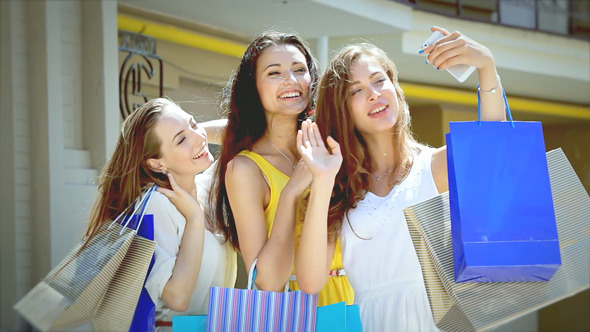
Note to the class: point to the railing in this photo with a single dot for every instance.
(564, 17)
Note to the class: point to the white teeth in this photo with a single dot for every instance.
(200, 154)
(290, 94)
(378, 109)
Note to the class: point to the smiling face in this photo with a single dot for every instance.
(183, 144)
(372, 97)
(283, 79)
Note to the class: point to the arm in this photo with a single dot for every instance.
(215, 130)
(179, 288)
(314, 253)
(455, 48)
(275, 252)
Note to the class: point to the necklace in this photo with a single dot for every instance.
(284, 155)
(378, 178)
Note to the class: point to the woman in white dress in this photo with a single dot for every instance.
(162, 144)
(362, 106)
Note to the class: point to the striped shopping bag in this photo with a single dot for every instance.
(485, 306)
(99, 283)
(232, 309)
(249, 310)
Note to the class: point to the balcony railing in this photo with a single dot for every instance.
(563, 17)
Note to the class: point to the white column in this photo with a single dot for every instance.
(47, 141)
(100, 81)
(7, 180)
(321, 46)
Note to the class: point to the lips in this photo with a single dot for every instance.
(378, 109)
(201, 153)
(290, 94)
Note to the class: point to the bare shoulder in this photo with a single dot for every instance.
(439, 169)
(243, 174)
(439, 155)
(242, 167)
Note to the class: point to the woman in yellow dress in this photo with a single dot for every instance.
(262, 177)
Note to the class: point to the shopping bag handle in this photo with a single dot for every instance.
(252, 277)
(140, 202)
(505, 105)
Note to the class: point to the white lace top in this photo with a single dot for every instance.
(383, 268)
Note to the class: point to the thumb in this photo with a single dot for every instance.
(173, 183)
(334, 146)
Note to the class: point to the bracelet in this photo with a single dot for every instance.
(493, 90)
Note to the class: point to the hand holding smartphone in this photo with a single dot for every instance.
(460, 72)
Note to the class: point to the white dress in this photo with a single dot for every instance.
(218, 265)
(383, 268)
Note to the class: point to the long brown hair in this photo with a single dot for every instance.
(334, 118)
(246, 120)
(127, 174)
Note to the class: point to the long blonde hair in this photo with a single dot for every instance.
(127, 174)
(334, 118)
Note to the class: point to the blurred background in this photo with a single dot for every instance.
(72, 70)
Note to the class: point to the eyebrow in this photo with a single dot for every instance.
(278, 64)
(370, 76)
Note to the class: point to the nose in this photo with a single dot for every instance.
(199, 135)
(289, 77)
(374, 93)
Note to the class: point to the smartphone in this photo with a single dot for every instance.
(460, 72)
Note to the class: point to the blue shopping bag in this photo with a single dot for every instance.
(502, 216)
(195, 323)
(338, 317)
(144, 319)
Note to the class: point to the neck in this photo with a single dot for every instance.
(187, 183)
(382, 152)
(281, 130)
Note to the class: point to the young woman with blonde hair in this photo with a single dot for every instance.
(362, 106)
(161, 144)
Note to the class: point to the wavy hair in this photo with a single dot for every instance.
(334, 118)
(246, 119)
(127, 174)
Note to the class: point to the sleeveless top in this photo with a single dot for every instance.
(337, 288)
(380, 258)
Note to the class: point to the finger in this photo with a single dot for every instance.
(317, 135)
(442, 30)
(304, 130)
(334, 146)
(456, 60)
(311, 134)
(173, 183)
(444, 56)
(166, 192)
(299, 140)
(443, 46)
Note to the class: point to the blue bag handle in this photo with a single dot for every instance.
(143, 202)
(505, 105)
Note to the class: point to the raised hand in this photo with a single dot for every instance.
(455, 48)
(322, 162)
(185, 203)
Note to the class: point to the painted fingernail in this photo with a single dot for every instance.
(427, 61)
(421, 51)
(437, 68)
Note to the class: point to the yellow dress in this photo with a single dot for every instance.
(337, 289)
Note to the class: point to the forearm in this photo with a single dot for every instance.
(492, 104)
(179, 288)
(312, 263)
(214, 129)
(275, 260)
